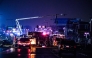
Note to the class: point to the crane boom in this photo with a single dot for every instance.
(18, 24)
(28, 18)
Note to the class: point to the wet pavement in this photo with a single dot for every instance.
(45, 53)
(40, 53)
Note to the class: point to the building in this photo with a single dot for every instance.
(83, 27)
(67, 26)
(72, 27)
(90, 27)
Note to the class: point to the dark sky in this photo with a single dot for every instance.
(13, 9)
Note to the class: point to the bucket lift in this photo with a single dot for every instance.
(18, 24)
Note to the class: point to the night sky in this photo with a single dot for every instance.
(13, 9)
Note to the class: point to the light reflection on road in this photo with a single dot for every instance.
(33, 49)
(27, 56)
(32, 56)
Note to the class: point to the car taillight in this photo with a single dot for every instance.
(29, 54)
(19, 43)
(19, 50)
(29, 50)
(27, 43)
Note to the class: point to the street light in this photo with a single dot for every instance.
(86, 34)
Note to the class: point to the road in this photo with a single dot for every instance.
(45, 53)
(40, 53)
